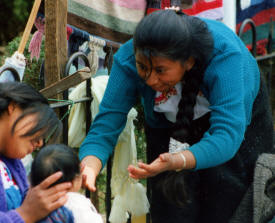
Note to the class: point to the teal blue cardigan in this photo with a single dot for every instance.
(231, 83)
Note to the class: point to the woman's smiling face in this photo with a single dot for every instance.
(162, 74)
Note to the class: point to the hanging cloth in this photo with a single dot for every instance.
(129, 194)
(95, 44)
(35, 44)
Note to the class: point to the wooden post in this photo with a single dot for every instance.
(55, 40)
(56, 48)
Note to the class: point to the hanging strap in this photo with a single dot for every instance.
(108, 61)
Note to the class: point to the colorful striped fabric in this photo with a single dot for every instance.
(130, 4)
(111, 19)
(116, 19)
(212, 9)
(261, 12)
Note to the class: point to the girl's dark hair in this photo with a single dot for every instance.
(31, 102)
(51, 159)
(177, 37)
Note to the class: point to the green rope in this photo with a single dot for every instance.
(71, 104)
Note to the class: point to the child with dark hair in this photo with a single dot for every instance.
(58, 157)
(26, 121)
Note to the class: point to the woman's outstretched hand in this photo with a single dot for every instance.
(43, 199)
(91, 167)
(163, 163)
(89, 178)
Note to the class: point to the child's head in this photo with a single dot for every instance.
(53, 158)
(26, 119)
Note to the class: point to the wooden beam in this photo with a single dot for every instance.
(97, 29)
(55, 40)
(67, 82)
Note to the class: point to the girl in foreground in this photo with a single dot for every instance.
(26, 120)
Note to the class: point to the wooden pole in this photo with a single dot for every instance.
(55, 40)
(29, 26)
(56, 49)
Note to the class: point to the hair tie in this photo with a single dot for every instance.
(175, 8)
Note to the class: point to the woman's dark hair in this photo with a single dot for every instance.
(51, 159)
(31, 102)
(177, 37)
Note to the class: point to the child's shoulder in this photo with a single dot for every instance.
(76, 199)
(82, 208)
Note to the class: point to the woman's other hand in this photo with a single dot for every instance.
(43, 199)
(92, 166)
(149, 170)
(165, 162)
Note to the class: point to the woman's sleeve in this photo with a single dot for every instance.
(10, 217)
(119, 97)
(231, 96)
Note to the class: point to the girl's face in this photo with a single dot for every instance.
(163, 73)
(17, 145)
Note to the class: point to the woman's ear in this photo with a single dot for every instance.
(189, 63)
(11, 107)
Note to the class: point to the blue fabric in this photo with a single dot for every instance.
(19, 174)
(13, 195)
(231, 83)
(76, 39)
(255, 8)
(272, 221)
(61, 215)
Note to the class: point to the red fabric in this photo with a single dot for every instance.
(69, 32)
(162, 98)
(260, 47)
(165, 3)
(202, 5)
(198, 7)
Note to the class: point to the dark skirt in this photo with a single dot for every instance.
(215, 193)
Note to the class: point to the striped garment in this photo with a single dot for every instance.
(111, 19)
(261, 12)
(211, 9)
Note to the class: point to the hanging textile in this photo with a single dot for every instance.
(129, 194)
(212, 9)
(35, 44)
(95, 44)
(261, 12)
(111, 19)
